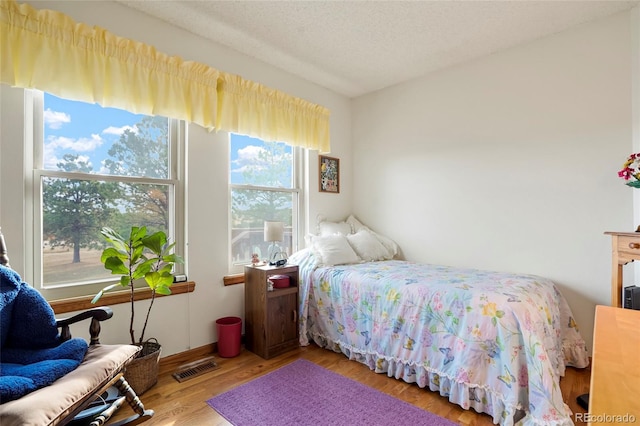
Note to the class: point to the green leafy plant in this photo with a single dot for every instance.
(139, 256)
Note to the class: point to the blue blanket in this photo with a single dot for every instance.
(32, 354)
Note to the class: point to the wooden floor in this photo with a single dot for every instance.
(184, 403)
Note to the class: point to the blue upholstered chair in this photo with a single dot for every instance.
(46, 376)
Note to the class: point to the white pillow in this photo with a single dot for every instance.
(356, 225)
(329, 228)
(304, 259)
(367, 246)
(332, 250)
(388, 243)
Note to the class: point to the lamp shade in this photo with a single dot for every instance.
(273, 231)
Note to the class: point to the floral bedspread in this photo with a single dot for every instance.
(495, 342)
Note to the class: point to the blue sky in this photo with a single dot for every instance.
(244, 150)
(89, 130)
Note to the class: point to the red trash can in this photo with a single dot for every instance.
(229, 332)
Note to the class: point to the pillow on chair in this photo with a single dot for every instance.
(9, 286)
(33, 324)
(32, 355)
(17, 380)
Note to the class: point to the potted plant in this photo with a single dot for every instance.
(140, 257)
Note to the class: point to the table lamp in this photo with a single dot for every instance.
(274, 232)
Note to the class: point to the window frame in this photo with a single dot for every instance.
(297, 175)
(35, 171)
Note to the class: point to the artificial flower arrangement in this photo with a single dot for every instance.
(631, 170)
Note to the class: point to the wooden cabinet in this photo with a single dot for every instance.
(271, 317)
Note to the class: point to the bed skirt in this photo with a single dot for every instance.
(467, 396)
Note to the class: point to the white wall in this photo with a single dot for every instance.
(184, 321)
(508, 162)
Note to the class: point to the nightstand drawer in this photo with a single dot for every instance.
(628, 244)
(625, 248)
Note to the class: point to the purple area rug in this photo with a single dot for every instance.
(303, 393)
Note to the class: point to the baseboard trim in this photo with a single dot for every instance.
(172, 362)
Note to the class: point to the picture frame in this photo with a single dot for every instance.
(329, 174)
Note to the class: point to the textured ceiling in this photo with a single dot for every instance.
(356, 47)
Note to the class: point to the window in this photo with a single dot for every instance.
(264, 187)
(96, 167)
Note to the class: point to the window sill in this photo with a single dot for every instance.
(62, 306)
(233, 279)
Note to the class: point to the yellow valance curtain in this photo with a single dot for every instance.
(252, 109)
(47, 50)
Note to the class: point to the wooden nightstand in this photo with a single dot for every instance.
(271, 317)
(626, 248)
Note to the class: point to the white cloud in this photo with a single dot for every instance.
(249, 153)
(50, 160)
(119, 130)
(83, 159)
(248, 157)
(55, 119)
(78, 145)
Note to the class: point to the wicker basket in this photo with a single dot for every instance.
(142, 372)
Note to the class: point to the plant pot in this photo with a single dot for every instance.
(142, 372)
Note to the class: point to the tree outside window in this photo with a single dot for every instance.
(99, 167)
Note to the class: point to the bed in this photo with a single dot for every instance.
(495, 342)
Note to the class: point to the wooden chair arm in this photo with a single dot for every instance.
(102, 313)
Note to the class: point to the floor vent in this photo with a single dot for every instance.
(194, 369)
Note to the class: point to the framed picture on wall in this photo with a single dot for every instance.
(329, 174)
